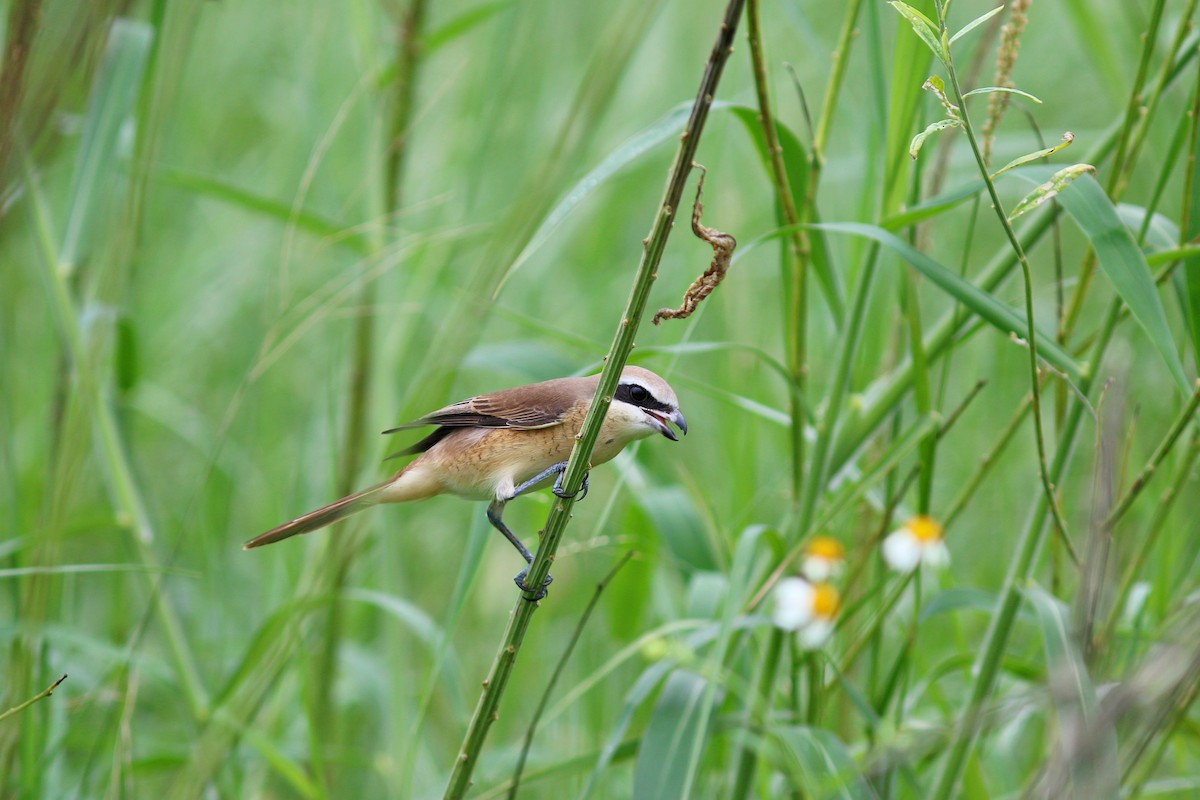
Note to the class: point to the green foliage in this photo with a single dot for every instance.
(193, 221)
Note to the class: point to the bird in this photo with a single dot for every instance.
(498, 446)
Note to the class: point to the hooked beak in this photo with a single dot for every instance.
(660, 419)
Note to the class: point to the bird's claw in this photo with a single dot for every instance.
(577, 496)
(519, 580)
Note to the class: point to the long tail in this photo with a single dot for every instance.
(325, 515)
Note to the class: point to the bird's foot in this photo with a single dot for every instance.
(577, 496)
(519, 580)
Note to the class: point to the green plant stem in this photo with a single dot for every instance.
(1186, 416)
(796, 269)
(127, 496)
(342, 550)
(995, 641)
(558, 670)
(1027, 275)
(760, 699)
(986, 461)
(1133, 108)
(815, 480)
(493, 689)
(42, 695)
(1157, 522)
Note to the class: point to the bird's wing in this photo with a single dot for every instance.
(541, 405)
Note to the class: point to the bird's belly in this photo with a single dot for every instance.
(486, 464)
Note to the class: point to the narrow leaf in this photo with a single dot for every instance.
(1123, 262)
(1005, 89)
(269, 207)
(627, 152)
(661, 772)
(1067, 138)
(923, 27)
(795, 160)
(933, 206)
(975, 299)
(936, 85)
(818, 763)
(975, 23)
(109, 105)
(1050, 189)
(460, 25)
(1094, 772)
(914, 147)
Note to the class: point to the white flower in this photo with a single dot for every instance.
(824, 558)
(807, 608)
(918, 541)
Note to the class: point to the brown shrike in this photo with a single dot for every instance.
(498, 446)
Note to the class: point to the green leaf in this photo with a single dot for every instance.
(1096, 774)
(914, 146)
(795, 162)
(818, 764)
(661, 771)
(109, 105)
(1187, 278)
(923, 27)
(933, 206)
(680, 526)
(306, 221)
(1067, 138)
(460, 25)
(627, 152)
(956, 599)
(972, 297)
(1123, 262)
(937, 86)
(1050, 189)
(1005, 90)
(975, 23)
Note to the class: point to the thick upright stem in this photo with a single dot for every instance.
(486, 710)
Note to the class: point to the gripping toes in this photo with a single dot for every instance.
(578, 496)
(519, 580)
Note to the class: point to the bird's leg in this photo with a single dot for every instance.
(559, 469)
(494, 513)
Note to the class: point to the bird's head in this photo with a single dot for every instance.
(654, 398)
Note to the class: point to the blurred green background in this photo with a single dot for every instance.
(209, 182)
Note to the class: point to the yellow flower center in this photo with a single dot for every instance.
(826, 547)
(825, 601)
(924, 529)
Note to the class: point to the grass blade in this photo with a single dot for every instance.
(972, 297)
(1122, 261)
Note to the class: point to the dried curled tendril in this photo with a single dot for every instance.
(722, 245)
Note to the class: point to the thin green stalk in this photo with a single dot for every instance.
(1177, 711)
(986, 461)
(796, 281)
(827, 425)
(343, 549)
(1155, 527)
(558, 670)
(991, 653)
(796, 270)
(760, 699)
(1186, 416)
(1145, 107)
(1133, 109)
(42, 695)
(127, 496)
(1027, 275)
(572, 480)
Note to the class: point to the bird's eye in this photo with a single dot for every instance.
(638, 393)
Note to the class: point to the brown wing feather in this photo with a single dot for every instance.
(539, 405)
